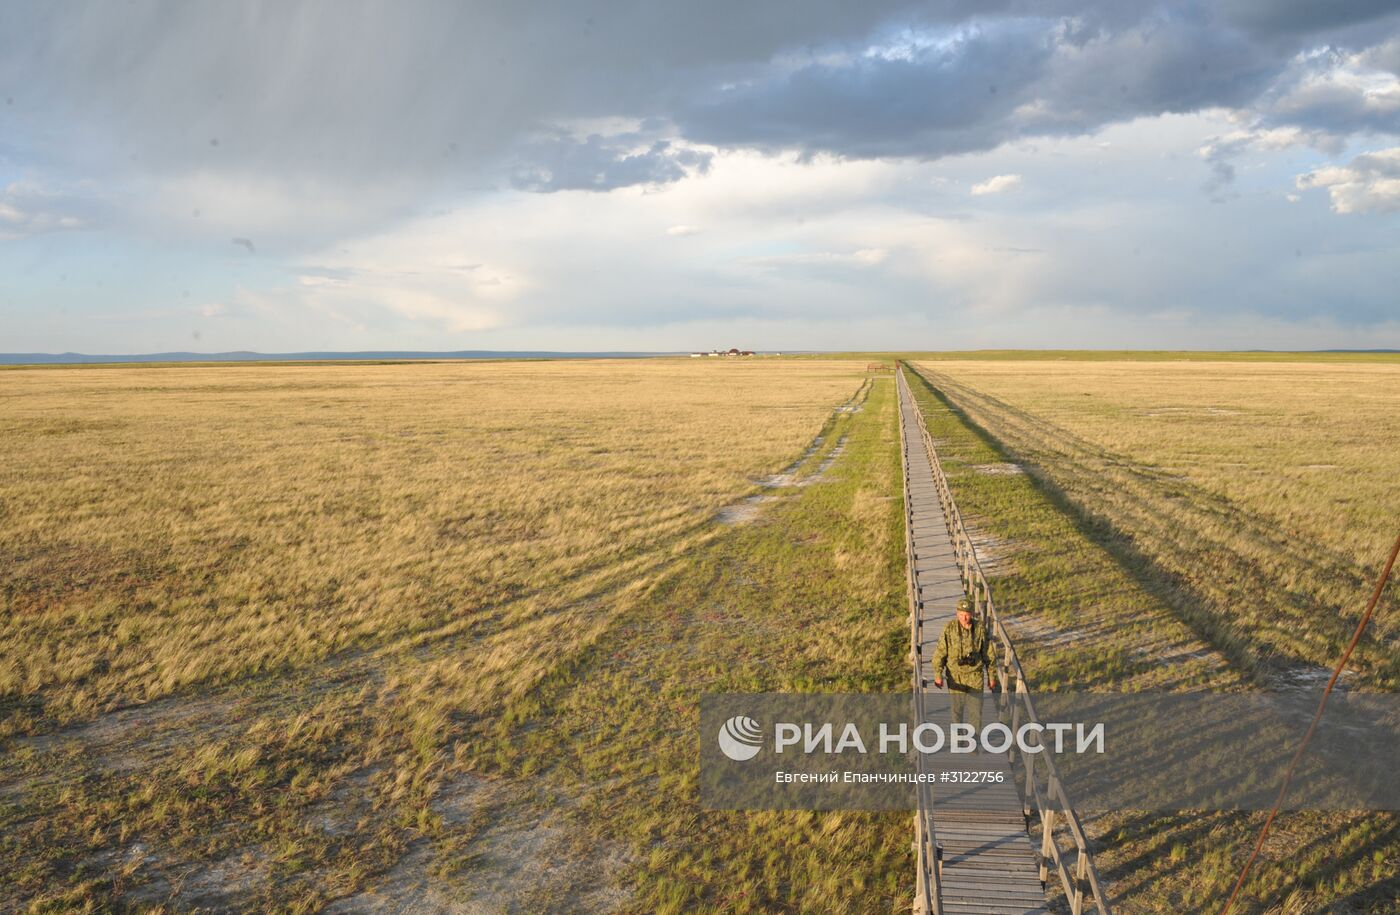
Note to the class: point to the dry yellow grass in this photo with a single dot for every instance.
(1190, 525)
(1260, 496)
(166, 527)
(318, 633)
(278, 636)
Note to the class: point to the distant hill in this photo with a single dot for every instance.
(246, 356)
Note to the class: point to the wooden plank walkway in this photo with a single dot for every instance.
(989, 864)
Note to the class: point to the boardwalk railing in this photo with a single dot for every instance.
(929, 890)
(1064, 848)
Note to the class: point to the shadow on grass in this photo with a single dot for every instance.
(1172, 862)
(1266, 662)
(1311, 854)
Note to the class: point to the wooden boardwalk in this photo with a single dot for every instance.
(989, 864)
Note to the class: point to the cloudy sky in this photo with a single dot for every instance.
(657, 175)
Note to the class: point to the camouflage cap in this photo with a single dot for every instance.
(965, 604)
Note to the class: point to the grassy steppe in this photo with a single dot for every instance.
(349, 637)
(1167, 527)
(1259, 499)
(180, 526)
(369, 636)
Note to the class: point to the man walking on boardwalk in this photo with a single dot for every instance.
(966, 651)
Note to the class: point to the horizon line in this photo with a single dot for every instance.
(75, 358)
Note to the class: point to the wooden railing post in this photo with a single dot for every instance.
(1081, 878)
(1027, 758)
(920, 884)
(1047, 840)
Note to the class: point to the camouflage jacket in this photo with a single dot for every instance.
(958, 645)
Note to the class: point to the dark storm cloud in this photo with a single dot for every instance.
(1274, 17)
(1059, 69)
(1165, 65)
(597, 163)
(354, 91)
(937, 101)
(433, 96)
(997, 82)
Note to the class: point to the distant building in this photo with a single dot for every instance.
(732, 351)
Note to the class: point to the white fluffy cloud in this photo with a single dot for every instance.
(1220, 152)
(809, 243)
(27, 208)
(1369, 184)
(997, 184)
(1330, 90)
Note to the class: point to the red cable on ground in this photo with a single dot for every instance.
(1288, 778)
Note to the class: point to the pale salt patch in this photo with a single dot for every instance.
(997, 470)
